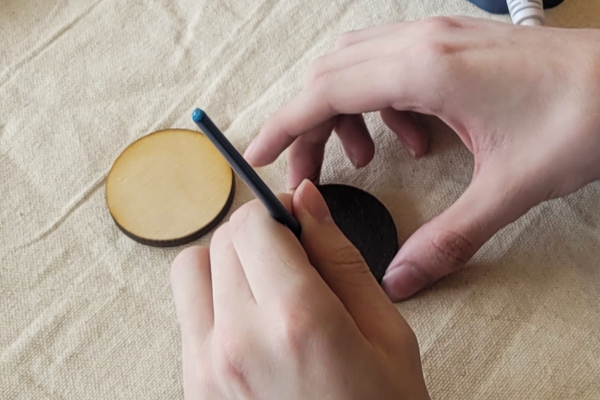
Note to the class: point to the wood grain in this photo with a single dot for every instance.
(169, 188)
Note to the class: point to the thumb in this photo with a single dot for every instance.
(342, 267)
(447, 243)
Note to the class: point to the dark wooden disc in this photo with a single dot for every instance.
(169, 188)
(366, 223)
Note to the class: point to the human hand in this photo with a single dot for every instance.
(265, 317)
(524, 101)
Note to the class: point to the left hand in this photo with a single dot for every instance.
(264, 316)
(523, 100)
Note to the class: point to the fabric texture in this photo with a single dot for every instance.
(86, 313)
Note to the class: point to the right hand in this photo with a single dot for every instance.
(525, 101)
(264, 316)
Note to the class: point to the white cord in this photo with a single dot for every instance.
(526, 12)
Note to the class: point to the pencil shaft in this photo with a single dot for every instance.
(245, 171)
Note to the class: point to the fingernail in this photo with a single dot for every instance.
(403, 281)
(355, 162)
(353, 159)
(313, 202)
(407, 147)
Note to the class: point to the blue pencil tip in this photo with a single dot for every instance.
(197, 115)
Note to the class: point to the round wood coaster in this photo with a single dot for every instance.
(366, 223)
(169, 188)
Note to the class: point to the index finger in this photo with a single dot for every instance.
(299, 116)
(273, 259)
(368, 86)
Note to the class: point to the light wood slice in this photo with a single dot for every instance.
(169, 188)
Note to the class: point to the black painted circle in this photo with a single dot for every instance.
(366, 223)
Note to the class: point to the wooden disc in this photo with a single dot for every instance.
(366, 223)
(169, 188)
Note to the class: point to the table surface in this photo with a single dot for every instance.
(86, 313)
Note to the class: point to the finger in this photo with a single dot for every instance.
(372, 85)
(342, 267)
(192, 292)
(407, 128)
(447, 243)
(308, 111)
(273, 259)
(231, 290)
(277, 134)
(306, 155)
(369, 86)
(352, 37)
(355, 138)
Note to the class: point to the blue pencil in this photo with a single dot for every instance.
(245, 171)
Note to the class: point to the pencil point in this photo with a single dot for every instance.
(197, 115)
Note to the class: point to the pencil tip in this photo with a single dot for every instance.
(197, 115)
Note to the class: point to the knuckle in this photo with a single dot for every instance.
(317, 69)
(409, 345)
(438, 25)
(184, 258)
(240, 216)
(344, 40)
(410, 337)
(439, 58)
(434, 52)
(406, 337)
(230, 353)
(319, 79)
(319, 87)
(205, 381)
(348, 257)
(222, 232)
(221, 237)
(436, 46)
(453, 249)
(443, 63)
(295, 326)
(321, 84)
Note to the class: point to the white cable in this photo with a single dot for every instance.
(526, 12)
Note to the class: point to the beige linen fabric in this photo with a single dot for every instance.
(86, 313)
